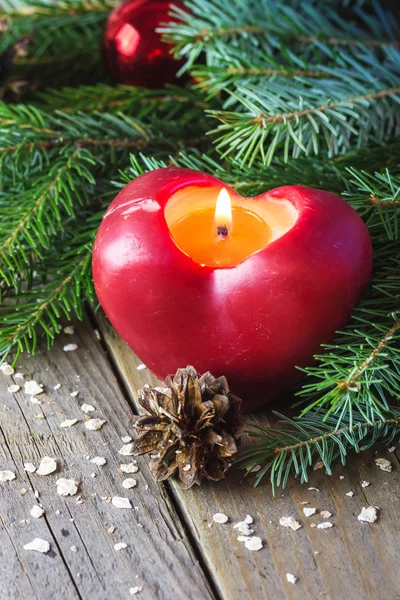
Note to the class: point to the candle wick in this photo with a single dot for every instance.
(222, 230)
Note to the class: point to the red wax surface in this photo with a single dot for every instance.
(254, 322)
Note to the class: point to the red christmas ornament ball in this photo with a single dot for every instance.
(134, 52)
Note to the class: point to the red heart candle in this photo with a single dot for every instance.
(189, 272)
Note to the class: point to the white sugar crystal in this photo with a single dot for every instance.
(129, 483)
(67, 487)
(94, 424)
(325, 514)
(37, 512)
(384, 464)
(309, 512)
(13, 389)
(68, 423)
(126, 450)
(129, 468)
(220, 518)
(126, 439)
(326, 525)
(253, 468)
(187, 467)
(35, 400)
(74, 394)
(120, 502)
(70, 347)
(254, 544)
(7, 476)
(291, 578)
(6, 369)
(87, 408)
(69, 330)
(290, 522)
(141, 367)
(98, 460)
(32, 388)
(120, 546)
(243, 528)
(135, 590)
(29, 467)
(368, 515)
(38, 545)
(47, 465)
(57, 386)
(74, 549)
(351, 494)
(365, 484)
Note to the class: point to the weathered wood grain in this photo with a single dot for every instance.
(159, 555)
(353, 560)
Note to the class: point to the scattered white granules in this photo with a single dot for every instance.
(74, 549)
(13, 389)
(309, 512)
(120, 546)
(87, 408)
(19, 376)
(291, 578)
(290, 522)
(70, 347)
(94, 424)
(220, 518)
(35, 400)
(7, 476)
(6, 369)
(368, 515)
(100, 461)
(47, 465)
(37, 512)
(129, 483)
(126, 439)
(187, 467)
(69, 330)
(67, 487)
(351, 494)
(141, 367)
(38, 545)
(135, 590)
(120, 502)
(129, 468)
(29, 467)
(254, 543)
(384, 464)
(126, 450)
(253, 469)
(68, 423)
(325, 525)
(365, 484)
(325, 514)
(312, 489)
(243, 526)
(57, 387)
(32, 388)
(74, 394)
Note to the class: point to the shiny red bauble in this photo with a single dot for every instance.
(254, 322)
(134, 52)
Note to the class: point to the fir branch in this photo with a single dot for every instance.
(313, 438)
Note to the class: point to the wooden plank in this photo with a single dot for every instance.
(352, 560)
(159, 555)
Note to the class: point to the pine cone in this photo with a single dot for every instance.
(193, 427)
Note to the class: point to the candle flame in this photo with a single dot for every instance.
(223, 211)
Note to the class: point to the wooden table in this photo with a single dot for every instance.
(174, 551)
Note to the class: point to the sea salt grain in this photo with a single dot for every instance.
(368, 515)
(220, 518)
(74, 394)
(100, 461)
(57, 387)
(6, 369)
(290, 522)
(392, 449)
(32, 388)
(309, 512)
(365, 484)
(325, 514)
(47, 465)
(87, 408)
(126, 450)
(120, 546)
(243, 527)
(13, 389)
(129, 468)
(129, 483)
(384, 464)
(37, 512)
(94, 424)
(70, 347)
(67, 487)
(254, 544)
(119, 502)
(74, 549)
(326, 525)
(291, 578)
(351, 494)
(126, 439)
(7, 476)
(38, 545)
(68, 423)
(29, 467)
(141, 367)
(135, 590)
(69, 330)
